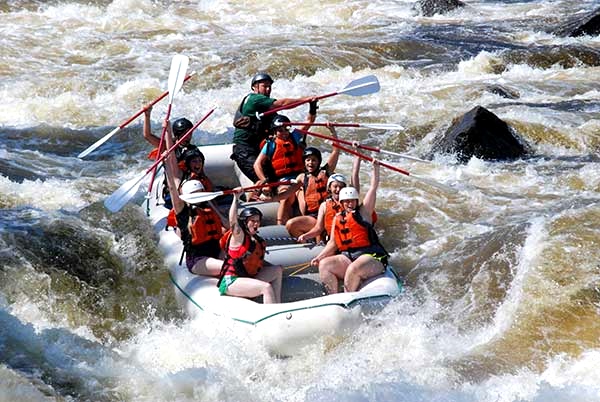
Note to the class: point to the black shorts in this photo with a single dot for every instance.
(245, 156)
(208, 249)
(375, 251)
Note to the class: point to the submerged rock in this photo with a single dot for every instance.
(579, 25)
(503, 91)
(429, 8)
(481, 133)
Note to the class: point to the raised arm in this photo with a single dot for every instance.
(355, 177)
(147, 128)
(237, 233)
(371, 195)
(334, 155)
(173, 172)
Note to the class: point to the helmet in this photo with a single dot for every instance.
(181, 126)
(308, 151)
(191, 186)
(348, 193)
(192, 153)
(250, 211)
(261, 77)
(278, 121)
(336, 177)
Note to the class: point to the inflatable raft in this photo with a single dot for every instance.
(306, 312)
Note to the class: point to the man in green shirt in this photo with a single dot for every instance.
(250, 131)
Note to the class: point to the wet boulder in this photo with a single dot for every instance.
(503, 91)
(481, 133)
(429, 8)
(579, 25)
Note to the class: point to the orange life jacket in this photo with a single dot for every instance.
(315, 191)
(205, 225)
(252, 259)
(351, 232)
(287, 157)
(332, 207)
(198, 225)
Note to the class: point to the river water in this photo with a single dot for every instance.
(502, 296)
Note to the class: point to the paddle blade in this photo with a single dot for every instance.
(197, 198)
(434, 183)
(179, 65)
(362, 86)
(382, 126)
(117, 200)
(96, 144)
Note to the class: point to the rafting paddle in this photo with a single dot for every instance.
(361, 86)
(196, 198)
(102, 140)
(375, 126)
(179, 65)
(361, 146)
(127, 191)
(396, 169)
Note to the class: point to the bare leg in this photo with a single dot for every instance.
(284, 212)
(364, 267)
(272, 274)
(331, 269)
(299, 225)
(250, 287)
(208, 266)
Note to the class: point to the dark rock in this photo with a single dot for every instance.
(587, 24)
(429, 8)
(547, 56)
(481, 133)
(503, 91)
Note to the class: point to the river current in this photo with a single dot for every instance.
(502, 272)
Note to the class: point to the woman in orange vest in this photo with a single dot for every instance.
(314, 188)
(327, 209)
(199, 226)
(353, 252)
(244, 272)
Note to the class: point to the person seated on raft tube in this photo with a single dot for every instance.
(314, 189)
(361, 254)
(331, 206)
(199, 226)
(281, 159)
(250, 131)
(179, 128)
(244, 272)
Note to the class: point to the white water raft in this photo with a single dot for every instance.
(306, 312)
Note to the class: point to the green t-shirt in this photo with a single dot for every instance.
(254, 103)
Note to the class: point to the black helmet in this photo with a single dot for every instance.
(261, 77)
(250, 211)
(192, 153)
(181, 126)
(278, 121)
(247, 213)
(308, 151)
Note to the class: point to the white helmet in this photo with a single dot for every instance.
(336, 177)
(348, 193)
(191, 186)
